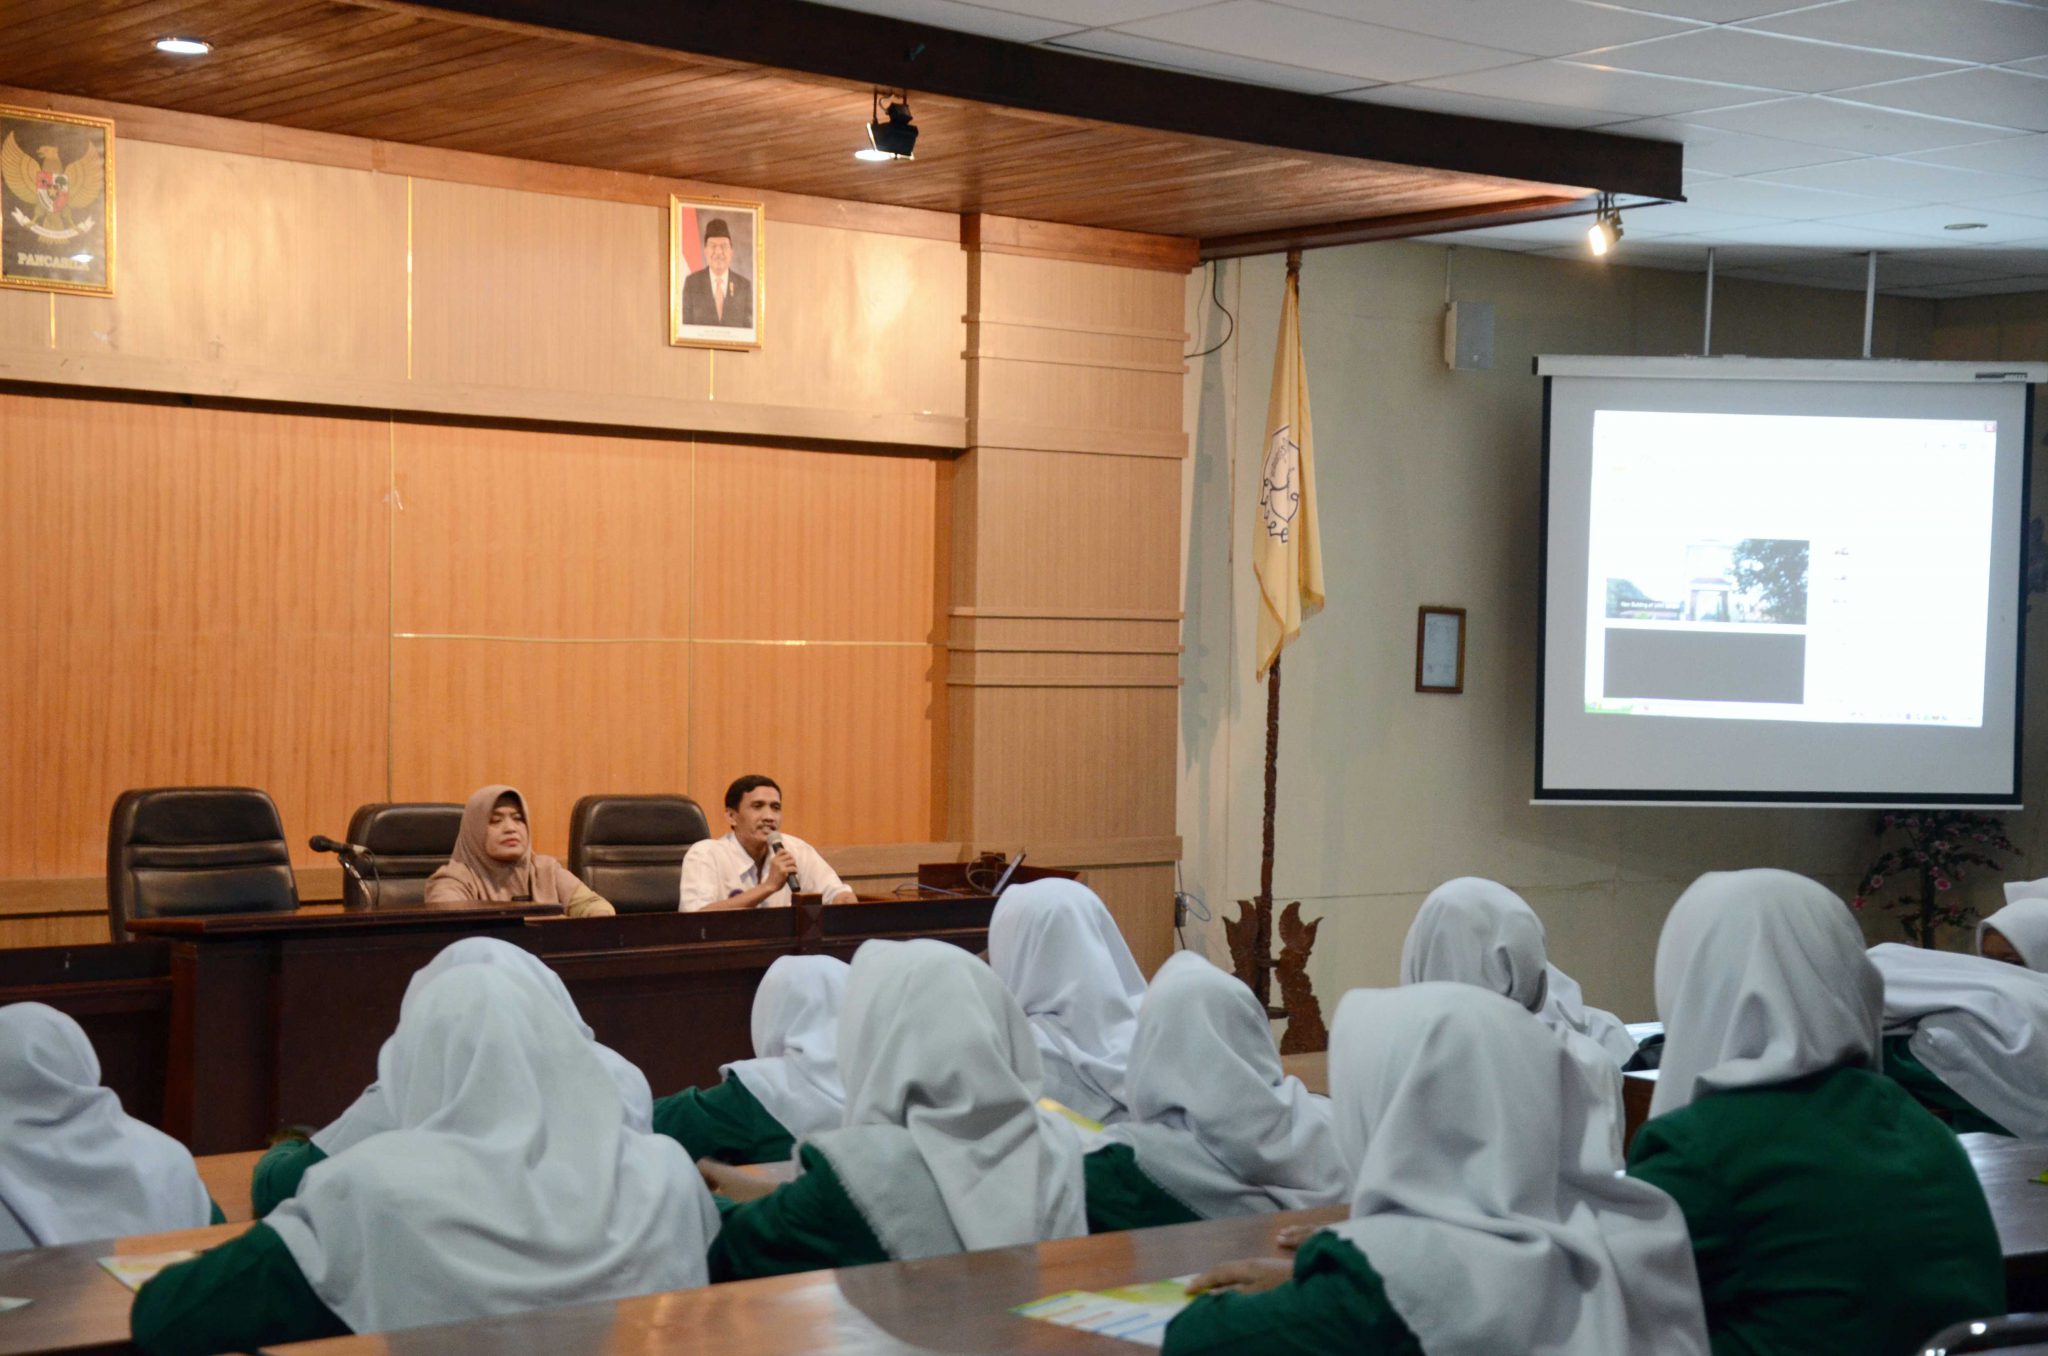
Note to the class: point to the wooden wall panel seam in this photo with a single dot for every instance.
(1114, 365)
(1069, 327)
(1071, 614)
(1101, 442)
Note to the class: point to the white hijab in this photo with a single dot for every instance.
(1463, 1125)
(1980, 1026)
(1478, 932)
(1565, 1007)
(2023, 922)
(945, 1148)
(371, 1112)
(795, 1072)
(73, 1165)
(1058, 951)
(1214, 1119)
(511, 1181)
(1761, 978)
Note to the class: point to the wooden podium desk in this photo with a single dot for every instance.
(276, 1019)
(120, 992)
(951, 1304)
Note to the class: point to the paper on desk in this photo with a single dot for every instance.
(1062, 1109)
(8, 1302)
(138, 1269)
(1134, 1313)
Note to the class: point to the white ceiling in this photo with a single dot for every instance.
(1813, 132)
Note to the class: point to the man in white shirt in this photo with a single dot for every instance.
(739, 871)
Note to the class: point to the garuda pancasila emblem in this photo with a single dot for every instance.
(53, 194)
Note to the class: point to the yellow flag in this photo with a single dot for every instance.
(1287, 553)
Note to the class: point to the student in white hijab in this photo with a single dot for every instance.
(1217, 1128)
(1479, 1223)
(1968, 1037)
(73, 1165)
(1060, 954)
(2018, 933)
(1473, 931)
(944, 1147)
(789, 1089)
(277, 1173)
(510, 1182)
(1821, 1199)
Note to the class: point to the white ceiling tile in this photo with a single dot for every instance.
(1713, 11)
(1551, 231)
(1737, 56)
(1150, 52)
(1781, 202)
(2026, 204)
(2023, 156)
(2037, 66)
(1679, 218)
(1090, 13)
(1981, 94)
(1293, 37)
(2000, 228)
(1821, 235)
(1962, 30)
(1538, 27)
(1849, 127)
(1478, 106)
(962, 18)
(1903, 180)
(1577, 85)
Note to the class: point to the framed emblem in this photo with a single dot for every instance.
(56, 202)
(717, 272)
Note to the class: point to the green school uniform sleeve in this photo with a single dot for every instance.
(804, 1225)
(1830, 1204)
(1947, 1105)
(1336, 1305)
(242, 1295)
(723, 1123)
(214, 1214)
(1121, 1196)
(278, 1172)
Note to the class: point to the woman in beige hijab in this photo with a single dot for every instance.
(494, 862)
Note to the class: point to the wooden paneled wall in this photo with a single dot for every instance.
(1064, 626)
(378, 480)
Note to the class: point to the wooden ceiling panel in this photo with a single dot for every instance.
(407, 73)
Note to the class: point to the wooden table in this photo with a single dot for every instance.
(78, 1307)
(950, 1304)
(2019, 1207)
(120, 992)
(228, 1179)
(1312, 1069)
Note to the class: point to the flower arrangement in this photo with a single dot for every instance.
(1940, 848)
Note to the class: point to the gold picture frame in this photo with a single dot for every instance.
(56, 202)
(709, 307)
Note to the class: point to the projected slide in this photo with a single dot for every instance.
(1789, 567)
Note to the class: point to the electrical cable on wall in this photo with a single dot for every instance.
(1216, 291)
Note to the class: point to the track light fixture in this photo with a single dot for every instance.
(891, 135)
(1605, 232)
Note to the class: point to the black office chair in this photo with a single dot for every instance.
(408, 841)
(2015, 1334)
(174, 851)
(630, 848)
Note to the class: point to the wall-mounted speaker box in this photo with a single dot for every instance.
(1468, 336)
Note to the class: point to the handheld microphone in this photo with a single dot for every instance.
(775, 845)
(320, 842)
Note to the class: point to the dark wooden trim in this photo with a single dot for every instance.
(1397, 226)
(869, 49)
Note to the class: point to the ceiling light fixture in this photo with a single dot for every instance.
(1964, 226)
(184, 46)
(891, 135)
(1605, 232)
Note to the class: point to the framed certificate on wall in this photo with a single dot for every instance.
(1440, 649)
(56, 202)
(717, 272)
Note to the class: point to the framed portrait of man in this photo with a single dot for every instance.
(717, 273)
(56, 202)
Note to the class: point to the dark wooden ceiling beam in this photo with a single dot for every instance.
(1401, 225)
(870, 49)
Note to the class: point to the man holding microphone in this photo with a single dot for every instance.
(755, 865)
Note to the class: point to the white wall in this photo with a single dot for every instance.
(1428, 487)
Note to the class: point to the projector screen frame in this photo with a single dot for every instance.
(2028, 375)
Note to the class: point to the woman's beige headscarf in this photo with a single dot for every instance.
(473, 874)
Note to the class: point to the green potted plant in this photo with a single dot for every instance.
(1917, 879)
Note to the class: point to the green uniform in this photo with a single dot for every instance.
(214, 1214)
(1948, 1105)
(1336, 1305)
(1121, 1196)
(804, 1225)
(1828, 1210)
(278, 1172)
(724, 1123)
(242, 1295)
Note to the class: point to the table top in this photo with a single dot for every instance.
(1313, 1069)
(2019, 1204)
(77, 1306)
(242, 926)
(954, 1304)
(228, 1178)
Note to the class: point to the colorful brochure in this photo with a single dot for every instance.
(137, 1269)
(1135, 1313)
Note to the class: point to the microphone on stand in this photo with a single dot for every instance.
(353, 855)
(774, 846)
(320, 842)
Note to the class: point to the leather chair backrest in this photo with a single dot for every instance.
(408, 842)
(174, 851)
(630, 848)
